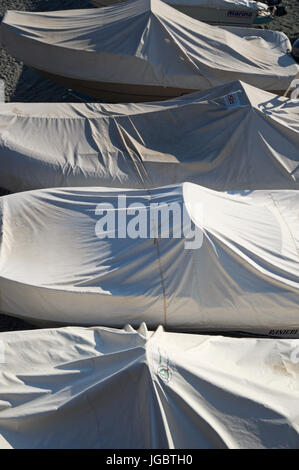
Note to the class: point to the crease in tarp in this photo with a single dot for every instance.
(135, 157)
(285, 222)
(139, 163)
(242, 255)
(182, 50)
(157, 385)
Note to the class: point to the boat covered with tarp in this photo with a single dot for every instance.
(184, 256)
(229, 138)
(145, 50)
(100, 388)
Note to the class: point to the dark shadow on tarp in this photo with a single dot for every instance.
(274, 103)
(3, 192)
(8, 323)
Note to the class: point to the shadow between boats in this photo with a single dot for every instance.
(32, 87)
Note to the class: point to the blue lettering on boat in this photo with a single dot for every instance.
(239, 13)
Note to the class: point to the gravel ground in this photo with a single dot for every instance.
(23, 84)
(288, 24)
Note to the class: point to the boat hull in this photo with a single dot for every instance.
(117, 92)
(218, 16)
(122, 92)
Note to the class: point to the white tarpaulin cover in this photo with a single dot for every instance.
(88, 256)
(147, 42)
(232, 137)
(113, 389)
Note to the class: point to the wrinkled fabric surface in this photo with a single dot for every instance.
(103, 388)
(232, 137)
(147, 42)
(107, 257)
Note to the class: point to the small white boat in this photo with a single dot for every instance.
(216, 12)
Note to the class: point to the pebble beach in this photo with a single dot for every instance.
(25, 85)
